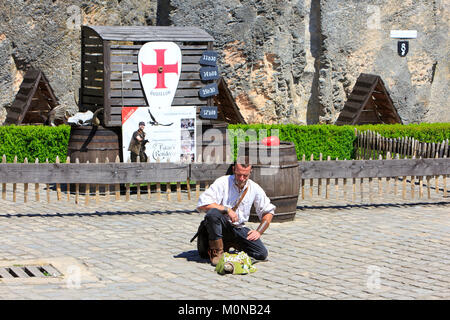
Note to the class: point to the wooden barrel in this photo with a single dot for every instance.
(275, 169)
(87, 143)
(211, 144)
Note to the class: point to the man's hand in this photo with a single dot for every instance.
(233, 215)
(253, 235)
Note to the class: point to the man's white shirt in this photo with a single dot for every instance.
(225, 192)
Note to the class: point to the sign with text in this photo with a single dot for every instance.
(208, 112)
(209, 58)
(209, 73)
(170, 132)
(209, 90)
(159, 65)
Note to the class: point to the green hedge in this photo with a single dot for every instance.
(337, 141)
(33, 142)
(330, 140)
(424, 132)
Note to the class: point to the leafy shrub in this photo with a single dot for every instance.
(333, 141)
(424, 132)
(33, 142)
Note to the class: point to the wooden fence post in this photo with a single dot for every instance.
(336, 185)
(107, 191)
(47, 186)
(36, 185)
(127, 186)
(77, 186)
(58, 185)
(370, 188)
(168, 188)
(397, 156)
(87, 191)
(14, 184)
(412, 184)
(68, 184)
(302, 181)
(319, 180)
(117, 185)
(327, 186)
(444, 178)
(380, 186)
(344, 187)
(25, 186)
(97, 188)
(4, 184)
(311, 181)
(158, 186)
(138, 185)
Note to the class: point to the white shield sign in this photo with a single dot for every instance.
(159, 66)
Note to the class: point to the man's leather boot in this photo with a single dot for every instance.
(215, 251)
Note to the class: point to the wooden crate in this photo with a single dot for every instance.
(110, 77)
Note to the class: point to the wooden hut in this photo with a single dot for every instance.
(110, 77)
(368, 103)
(34, 101)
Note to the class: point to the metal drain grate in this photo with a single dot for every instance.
(20, 271)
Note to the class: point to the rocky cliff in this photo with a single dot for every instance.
(284, 61)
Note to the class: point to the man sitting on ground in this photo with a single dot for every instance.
(227, 203)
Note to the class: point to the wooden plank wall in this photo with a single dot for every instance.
(349, 177)
(92, 61)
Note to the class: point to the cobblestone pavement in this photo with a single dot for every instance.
(140, 249)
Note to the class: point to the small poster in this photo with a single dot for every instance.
(168, 133)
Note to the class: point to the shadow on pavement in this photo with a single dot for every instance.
(97, 213)
(375, 205)
(192, 255)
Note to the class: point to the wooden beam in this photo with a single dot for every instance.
(92, 173)
(373, 168)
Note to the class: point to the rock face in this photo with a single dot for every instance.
(297, 61)
(46, 35)
(284, 61)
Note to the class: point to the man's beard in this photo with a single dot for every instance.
(239, 184)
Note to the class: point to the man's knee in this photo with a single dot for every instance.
(261, 254)
(213, 215)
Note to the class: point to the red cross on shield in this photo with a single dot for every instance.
(159, 66)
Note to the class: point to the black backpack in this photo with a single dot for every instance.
(202, 241)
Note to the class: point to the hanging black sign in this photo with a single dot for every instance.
(402, 48)
(209, 73)
(209, 90)
(208, 112)
(209, 58)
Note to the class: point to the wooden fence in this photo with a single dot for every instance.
(371, 145)
(112, 180)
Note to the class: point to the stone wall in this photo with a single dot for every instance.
(284, 61)
(46, 35)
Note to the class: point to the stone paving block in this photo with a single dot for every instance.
(326, 249)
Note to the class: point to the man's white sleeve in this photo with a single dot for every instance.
(262, 203)
(214, 194)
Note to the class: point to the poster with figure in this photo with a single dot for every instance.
(167, 134)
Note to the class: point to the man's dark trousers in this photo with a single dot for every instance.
(219, 226)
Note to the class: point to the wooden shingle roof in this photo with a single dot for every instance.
(368, 103)
(151, 33)
(34, 100)
(227, 108)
